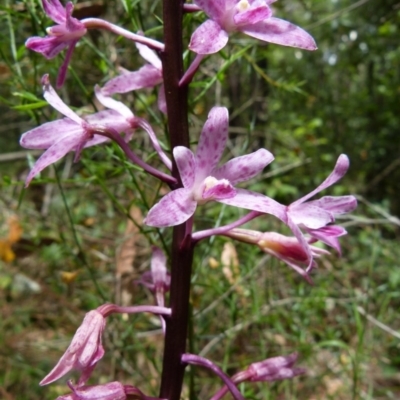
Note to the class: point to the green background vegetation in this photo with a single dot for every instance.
(306, 108)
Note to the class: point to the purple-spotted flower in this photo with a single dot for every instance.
(201, 178)
(72, 133)
(84, 351)
(66, 34)
(252, 17)
(317, 216)
(148, 76)
(285, 248)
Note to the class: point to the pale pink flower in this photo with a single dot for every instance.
(66, 34)
(84, 352)
(203, 180)
(252, 17)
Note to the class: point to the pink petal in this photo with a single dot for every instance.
(215, 9)
(149, 55)
(96, 139)
(220, 191)
(107, 391)
(252, 15)
(173, 209)
(53, 154)
(186, 164)
(47, 134)
(336, 204)
(309, 215)
(109, 119)
(72, 24)
(257, 202)
(245, 167)
(49, 46)
(329, 235)
(162, 102)
(54, 100)
(55, 10)
(147, 76)
(341, 167)
(278, 31)
(208, 38)
(303, 242)
(212, 142)
(113, 104)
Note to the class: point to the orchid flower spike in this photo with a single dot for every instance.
(148, 76)
(316, 216)
(252, 17)
(66, 34)
(84, 351)
(68, 134)
(201, 178)
(285, 248)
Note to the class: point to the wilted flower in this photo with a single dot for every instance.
(84, 351)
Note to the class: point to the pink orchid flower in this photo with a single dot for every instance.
(316, 216)
(84, 351)
(252, 17)
(148, 76)
(201, 178)
(66, 34)
(72, 133)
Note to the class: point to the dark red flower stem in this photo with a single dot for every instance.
(182, 248)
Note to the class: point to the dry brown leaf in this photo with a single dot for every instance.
(230, 262)
(14, 235)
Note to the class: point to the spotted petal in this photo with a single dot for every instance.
(341, 167)
(257, 202)
(147, 76)
(173, 209)
(53, 154)
(212, 142)
(208, 38)
(47, 134)
(245, 167)
(186, 164)
(279, 31)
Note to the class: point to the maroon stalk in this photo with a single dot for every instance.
(182, 250)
